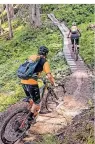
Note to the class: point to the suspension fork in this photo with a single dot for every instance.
(44, 88)
(52, 93)
(29, 107)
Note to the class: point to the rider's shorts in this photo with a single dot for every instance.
(32, 91)
(76, 37)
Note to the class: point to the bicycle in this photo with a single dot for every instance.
(75, 51)
(17, 123)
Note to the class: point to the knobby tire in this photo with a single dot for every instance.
(3, 129)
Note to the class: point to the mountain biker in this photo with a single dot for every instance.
(30, 86)
(74, 33)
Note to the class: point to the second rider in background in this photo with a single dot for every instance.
(74, 33)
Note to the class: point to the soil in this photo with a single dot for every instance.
(80, 131)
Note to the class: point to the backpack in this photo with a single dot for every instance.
(74, 29)
(27, 69)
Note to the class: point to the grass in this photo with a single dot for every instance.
(87, 45)
(49, 139)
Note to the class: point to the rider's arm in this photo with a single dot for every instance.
(50, 77)
(46, 69)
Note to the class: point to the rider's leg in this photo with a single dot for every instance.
(72, 40)
(35, 95)
(28, 98)
(77, 42)
(35, 109)
(25, 88)
(34, 112)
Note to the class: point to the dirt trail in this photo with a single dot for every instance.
(79, 90)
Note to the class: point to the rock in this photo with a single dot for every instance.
(58, 75)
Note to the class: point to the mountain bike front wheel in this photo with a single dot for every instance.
(51, 101)
(11, 131)
(75, 50)
(76, 53)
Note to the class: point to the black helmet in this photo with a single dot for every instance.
(43, 50)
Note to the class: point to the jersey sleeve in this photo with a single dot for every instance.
(46, 68)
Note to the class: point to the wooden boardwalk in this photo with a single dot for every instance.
(74, 65)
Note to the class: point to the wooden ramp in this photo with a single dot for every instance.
(74, 65)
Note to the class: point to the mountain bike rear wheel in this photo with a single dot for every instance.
(10, 131)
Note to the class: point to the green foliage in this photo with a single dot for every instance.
(47, 8)
(87, 45)
(11, 96)
(4, 15)
(49, 139)
(15, 51)
(80, 13)
(58, 64)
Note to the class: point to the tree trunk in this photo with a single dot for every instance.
(9, 21)
(0, 26)
(38, 18)
(11, 10)
(34, 12)
(1, 29)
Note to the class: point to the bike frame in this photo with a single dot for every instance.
(42, 91)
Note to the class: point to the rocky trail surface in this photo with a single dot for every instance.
(79, 91)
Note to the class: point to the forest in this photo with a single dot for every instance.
(26, 27)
